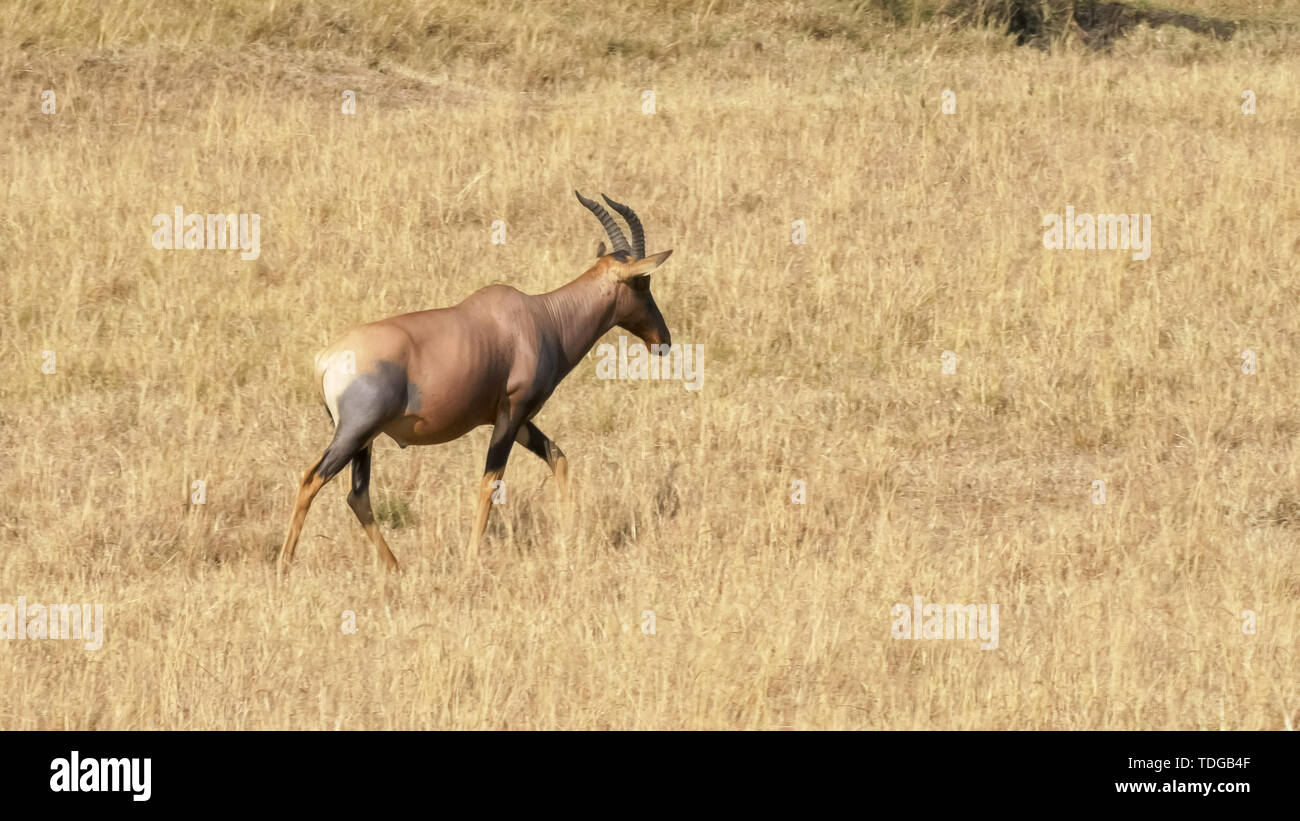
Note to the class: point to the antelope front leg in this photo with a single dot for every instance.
(503, 437)
(531, 437)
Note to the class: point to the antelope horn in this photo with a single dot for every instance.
(615, 233)
(638, 233)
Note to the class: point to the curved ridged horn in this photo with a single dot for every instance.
(611, 227)
(638, 233)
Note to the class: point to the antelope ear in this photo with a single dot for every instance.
(641, 267)
(600, 249)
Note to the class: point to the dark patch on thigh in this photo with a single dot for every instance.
(375, 397)
(369, 402)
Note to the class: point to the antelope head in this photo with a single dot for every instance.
(628, 267)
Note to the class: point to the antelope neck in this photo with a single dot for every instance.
(581, 312)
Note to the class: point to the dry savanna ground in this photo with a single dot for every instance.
(824, 363)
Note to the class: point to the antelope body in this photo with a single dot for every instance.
(494, 359)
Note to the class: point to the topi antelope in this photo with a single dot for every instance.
(494, 359)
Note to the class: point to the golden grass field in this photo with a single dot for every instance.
(822, 364)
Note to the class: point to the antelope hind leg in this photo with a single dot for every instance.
(359, 501)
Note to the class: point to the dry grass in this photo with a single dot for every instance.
(822, 364)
